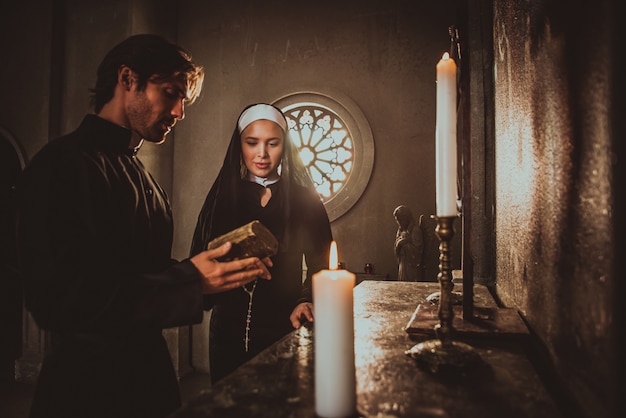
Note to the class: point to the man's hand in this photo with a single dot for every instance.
(222, 276)
(300, 313)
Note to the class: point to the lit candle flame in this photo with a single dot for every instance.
(445, 56)
(334, 259)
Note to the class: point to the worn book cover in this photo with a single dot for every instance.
(250, 240)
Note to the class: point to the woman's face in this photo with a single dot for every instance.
(262, 147)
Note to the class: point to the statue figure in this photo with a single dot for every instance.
(408, 245)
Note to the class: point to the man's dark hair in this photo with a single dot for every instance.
(152, 58)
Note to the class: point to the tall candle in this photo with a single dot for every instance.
(335, 379)
(445, 138)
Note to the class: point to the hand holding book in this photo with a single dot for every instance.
(250, 240)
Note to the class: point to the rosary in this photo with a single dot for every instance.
(249, 316)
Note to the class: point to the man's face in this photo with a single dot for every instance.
(262, 147)
(153, 112)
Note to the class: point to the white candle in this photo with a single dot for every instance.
(335, 378)
(445, 138)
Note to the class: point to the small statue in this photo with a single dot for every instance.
(408, 246)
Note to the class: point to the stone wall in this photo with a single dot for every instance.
(555, 185)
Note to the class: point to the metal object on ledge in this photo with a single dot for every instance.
(444, 354)
(457, 298)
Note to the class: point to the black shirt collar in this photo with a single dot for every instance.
(107, 135)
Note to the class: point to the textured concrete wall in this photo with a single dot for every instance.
(555, 185)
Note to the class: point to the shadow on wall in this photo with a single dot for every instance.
(430, 257)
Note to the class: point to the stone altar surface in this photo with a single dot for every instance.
(279, 381)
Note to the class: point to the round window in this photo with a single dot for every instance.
(335, 143)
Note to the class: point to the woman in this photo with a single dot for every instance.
(263, 178)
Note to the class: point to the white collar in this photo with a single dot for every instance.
(263, 181)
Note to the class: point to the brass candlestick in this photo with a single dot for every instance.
(443, 353)
(456, 298)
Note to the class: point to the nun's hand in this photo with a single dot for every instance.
(301, 314)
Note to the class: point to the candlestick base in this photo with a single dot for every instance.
(438, 357)
(443, 354)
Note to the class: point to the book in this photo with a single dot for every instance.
(250, 240)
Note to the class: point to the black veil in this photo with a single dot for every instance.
(219, 213)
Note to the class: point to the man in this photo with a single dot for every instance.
(94, 239)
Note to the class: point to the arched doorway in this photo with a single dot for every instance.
(11, 164)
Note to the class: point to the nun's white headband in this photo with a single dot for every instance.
(258, 112)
